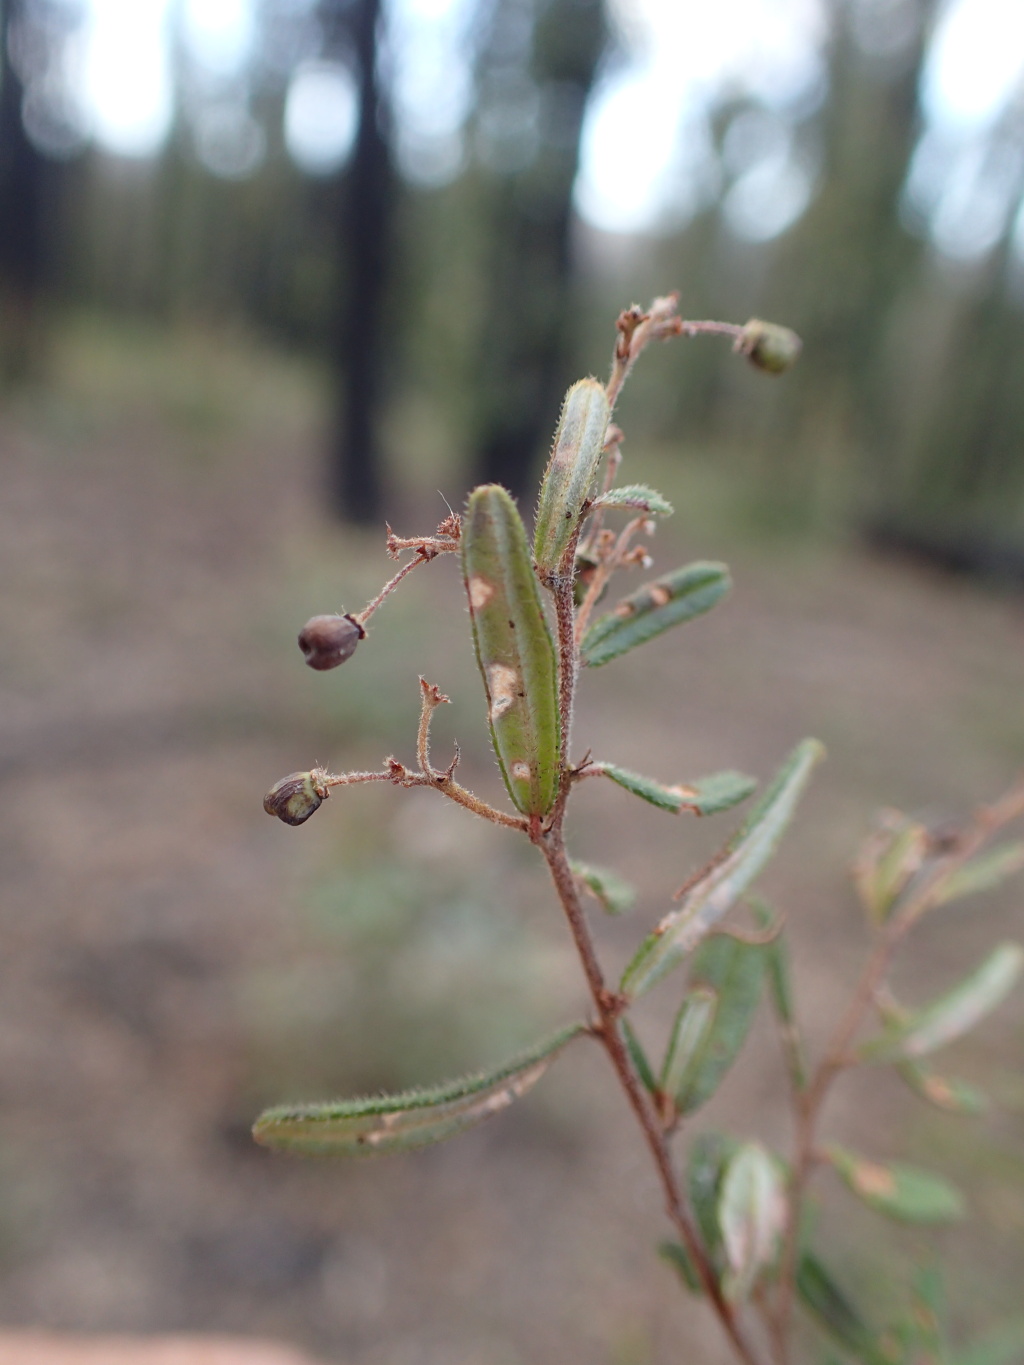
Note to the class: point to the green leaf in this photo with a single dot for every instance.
(638, 1056)
(752, 1217)
(901, 1192)
(708, 899)
(726, 982)
(414, 1118)
(954, 1013)
(951, 1096)
(676, 1255)
(832, 1310)
(656, 607)
(638, 496)
(708, 1157)
(777, 967)
(686, 1041)
(707, 796)
(893, 851)
(513, 649)
(575, 455)
(988, 870)
(616, 895)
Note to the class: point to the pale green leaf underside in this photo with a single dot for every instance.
(709, 899)
(984, 872)
(414, 1118)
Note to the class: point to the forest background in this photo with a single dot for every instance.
(321, 295)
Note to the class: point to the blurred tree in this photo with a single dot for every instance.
(536, 70)
(362, 245)
(25, 195)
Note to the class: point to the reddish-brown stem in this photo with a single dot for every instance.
(363, 616)
(603, 573)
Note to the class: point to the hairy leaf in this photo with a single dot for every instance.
(708, 1157)
(752, 1216)
(616, 895)
(637, 496)
(414, 1118)
(686, 1041)
(656, 607)
(952, 1014)
(575, 455)
(513, 648)
(901, 1192)
(707, 900)
(707, 796)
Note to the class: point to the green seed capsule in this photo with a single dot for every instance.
(768, 346)
(575, 455)
(513, 648)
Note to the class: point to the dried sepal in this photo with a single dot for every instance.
(294, 798)
(514, 649)
(414, 1118)
(327, 641)
(565, 488)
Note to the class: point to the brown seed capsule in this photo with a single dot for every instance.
(296, 797)
(327, 641)
(768, 346)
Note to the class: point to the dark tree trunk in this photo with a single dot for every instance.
(363, 243)
(523, 351)
(24, 198)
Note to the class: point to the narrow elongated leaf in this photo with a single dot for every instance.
(888, 858)
(707, 796)
(707, 900)
(575, 455)
(726, 981)
(637, 496)
(950, 1095)
(616, 895)
(689, 1034)
(829, 1306)
(901, 1192)
(984, 872)
(513, 648)
(777, 969)
(414, 1118)
(676, 1255)
(656, 607)
(638, 1056)
(752, 1216)
(954, 1013)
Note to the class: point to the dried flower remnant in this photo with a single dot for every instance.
(327, 641)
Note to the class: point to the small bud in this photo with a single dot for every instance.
(327, 641)
(297, 796)
(768, 346)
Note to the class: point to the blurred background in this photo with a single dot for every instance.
(272, 271)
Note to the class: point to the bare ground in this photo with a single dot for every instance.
(173, 960)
